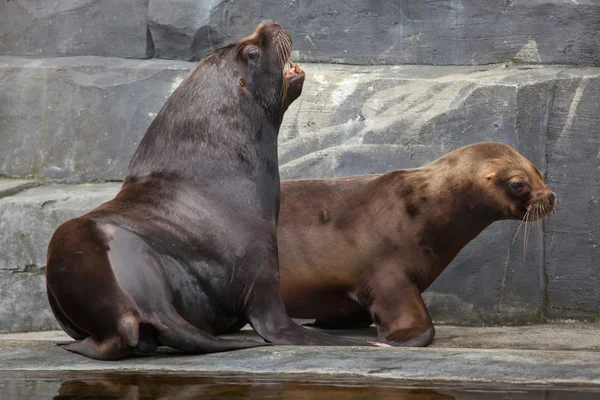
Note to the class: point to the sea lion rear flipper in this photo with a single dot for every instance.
(182, 336)
(107, 350)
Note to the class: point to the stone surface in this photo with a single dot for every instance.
(86, 115)
(572, 243)
(47, 28)
(181, 29)
(8, 187)
(83, 116)
(23, 302)
(458, 356)
(392, 32)
(572, 336)
(358, 364)
(27, 222)
(357, 32)
(459, 365)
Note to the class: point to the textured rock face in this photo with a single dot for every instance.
(354, 120)
(78, 119)
(355, 32)
(572, 242)
(47, 28)
(27, 222)
(389, 32)
(23, 303)
(86, 115)
(182, 29)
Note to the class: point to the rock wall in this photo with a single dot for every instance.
(80, 80)
(435, 32)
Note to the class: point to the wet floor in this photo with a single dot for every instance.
(125, 386)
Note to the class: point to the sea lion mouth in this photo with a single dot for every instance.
(284, 47)
(292, 71)
(292, 75)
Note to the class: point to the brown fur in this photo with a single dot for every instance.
(387, 237)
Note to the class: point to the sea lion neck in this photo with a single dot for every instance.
(205, 121)
(446, 210)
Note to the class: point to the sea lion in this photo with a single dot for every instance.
(360, 249)
(188, 246)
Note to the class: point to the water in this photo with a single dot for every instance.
(65, 386)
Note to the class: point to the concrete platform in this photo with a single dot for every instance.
(564, 355)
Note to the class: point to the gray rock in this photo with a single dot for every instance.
(572, 243)
(8, 187)
(181, 29)
(345, 367)
(23, 302)
(86, 115)
(403, 32)
(49, 28)
(28, 220)
(83, 116)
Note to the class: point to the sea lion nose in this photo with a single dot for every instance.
(551, 198)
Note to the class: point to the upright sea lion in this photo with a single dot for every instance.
(188, 247)
(363, 248)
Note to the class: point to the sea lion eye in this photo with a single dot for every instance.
(517, 186)
(253, 53)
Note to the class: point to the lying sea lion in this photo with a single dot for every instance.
(188, 246)
(363, 248)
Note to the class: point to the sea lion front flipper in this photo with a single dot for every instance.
(401, 316)
(268, 317)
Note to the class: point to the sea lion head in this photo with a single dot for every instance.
(264, 68)
(513, 182)
(238, 92)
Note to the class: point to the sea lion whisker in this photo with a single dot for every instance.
(519, 228)
(526, 234)
(540, 221)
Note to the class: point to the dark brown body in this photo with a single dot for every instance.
(188, 246)
(363, 248)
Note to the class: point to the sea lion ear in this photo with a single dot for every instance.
(490, 175)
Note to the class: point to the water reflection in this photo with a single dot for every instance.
(221, 391)
(137, 387)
